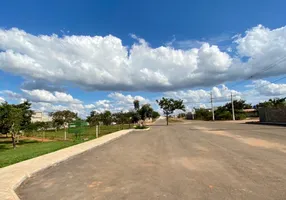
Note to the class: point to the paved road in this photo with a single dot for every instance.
(198, 160)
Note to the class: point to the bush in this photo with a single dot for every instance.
(224, 115)
(240, 116)
(141, 127)
(203, 114)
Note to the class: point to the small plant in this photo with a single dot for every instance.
(141, 127)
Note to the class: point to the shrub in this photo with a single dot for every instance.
(141, 127)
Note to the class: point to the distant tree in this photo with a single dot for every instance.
(203, 114)
(145, 111)
(94, 118)
(181, 115)
(62, 117)
(273, 103)
(135, 116)
(155, 114)
(106, 117)
(169, 106)
(136, 105)
(239, 105)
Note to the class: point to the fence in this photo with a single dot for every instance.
(86, 134)
(273, 115)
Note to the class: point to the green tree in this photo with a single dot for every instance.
(155, 115)
(26, 112)
(106, 117)
(239, 105)
(11, 120)
(169, 106)
(203, 114)
(273, 103)
(145, 111)
(94, 118)
(62, 117)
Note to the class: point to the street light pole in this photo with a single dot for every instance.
(212, 106)
(232, 106)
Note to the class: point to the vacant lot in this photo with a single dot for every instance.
(38, 143)
(200, 160)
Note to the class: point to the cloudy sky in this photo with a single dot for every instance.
(101, 55)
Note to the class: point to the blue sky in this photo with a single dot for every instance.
(107, 50)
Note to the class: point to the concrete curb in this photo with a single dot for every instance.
(12, 176)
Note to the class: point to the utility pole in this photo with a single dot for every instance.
(232, 106)
(212, 106)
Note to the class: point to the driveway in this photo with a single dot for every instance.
(193, 160)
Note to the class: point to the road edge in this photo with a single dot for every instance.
(12, 176)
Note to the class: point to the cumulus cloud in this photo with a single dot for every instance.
(266, 88)
(117, 102)
(50, 107)
(42, 85)
(193, 97)
(46, 96)
(10, 94)
(103, 63)
(2, 100)
(41, 96)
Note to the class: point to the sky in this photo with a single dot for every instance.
(103, 54)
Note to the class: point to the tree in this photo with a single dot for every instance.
(135, 116)
(155, 115)
(203, 114)
(26, 112)
(11, 120)
(239, 105)
(169, 106)
(136, 105)
(273, 103)
(145, 111)
(62, 117)
(106, 117)
(94, 118)
(182, 115)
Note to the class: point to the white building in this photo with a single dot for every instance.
(40, 117)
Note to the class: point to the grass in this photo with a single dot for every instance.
(29, 148)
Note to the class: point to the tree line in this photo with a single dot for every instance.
(132, 116)
(225, 112)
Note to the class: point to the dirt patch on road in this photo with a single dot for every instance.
(196, 163)
(247, 140)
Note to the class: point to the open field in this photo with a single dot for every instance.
(31, 144)
(198, 160)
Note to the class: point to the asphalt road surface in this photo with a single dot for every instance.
(198, 160)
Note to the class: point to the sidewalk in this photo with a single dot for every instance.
(12, 176)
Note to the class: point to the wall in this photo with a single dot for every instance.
(272, 115)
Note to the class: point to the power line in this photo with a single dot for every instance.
(259, 72)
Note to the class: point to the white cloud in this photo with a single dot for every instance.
(117, 102)
(103, 63)
(2, 100)
(199, 97)
(10, 94)
(46, 96)
(269, 89)
(50, 107)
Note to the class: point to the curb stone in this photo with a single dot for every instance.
(12, 176)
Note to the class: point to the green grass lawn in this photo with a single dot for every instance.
(29, 148)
